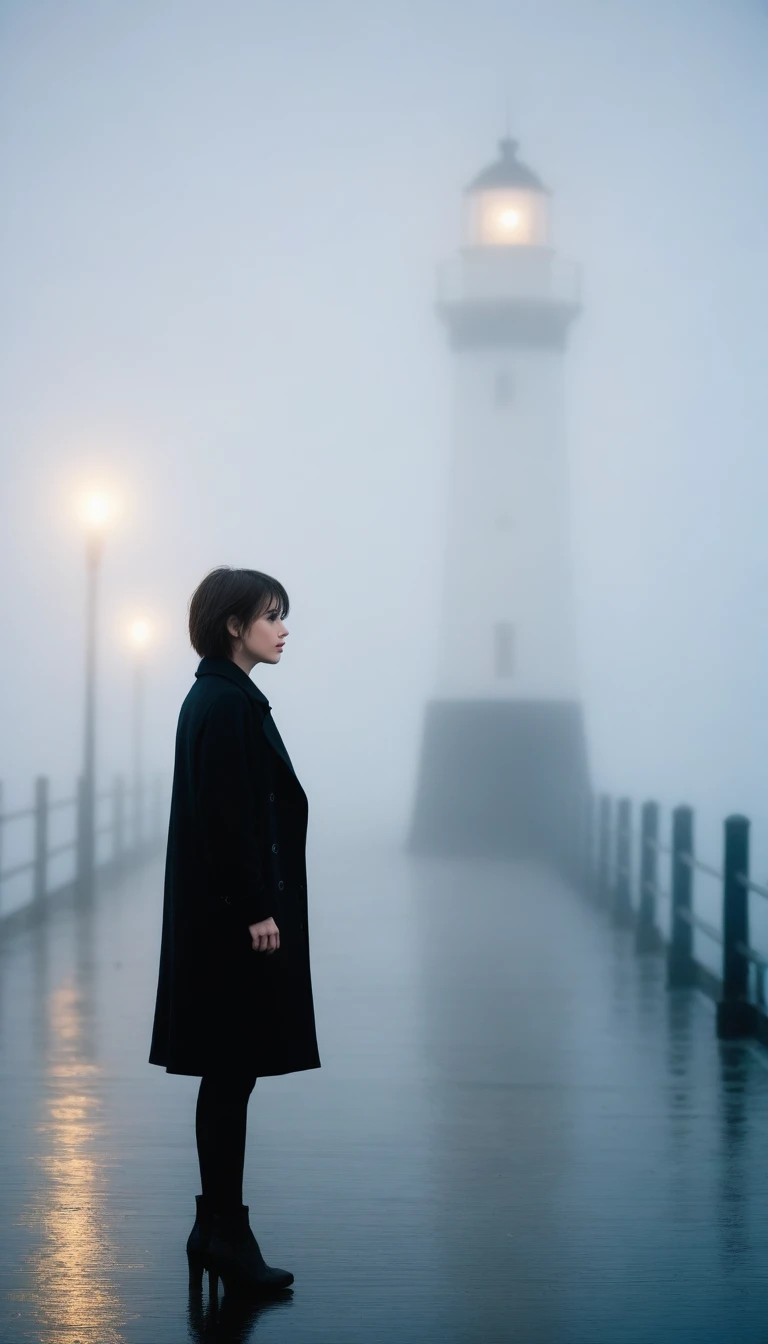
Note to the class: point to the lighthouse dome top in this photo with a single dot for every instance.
(507, 172)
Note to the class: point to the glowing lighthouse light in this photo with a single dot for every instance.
(509, 219)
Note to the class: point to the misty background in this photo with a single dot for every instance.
(220, 229)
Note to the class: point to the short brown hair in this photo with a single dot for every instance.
(243, 593)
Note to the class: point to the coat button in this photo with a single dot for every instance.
(271, 797)
(280, 885)
(301, 926)
(274, 849)
(301, 886)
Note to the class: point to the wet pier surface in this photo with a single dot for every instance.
(517, 1134)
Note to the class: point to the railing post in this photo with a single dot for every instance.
(587, 857)
(681, 969)
(623, 915)
(569, 848)
(735, 1014)
(85, 846)
(118, 820)
(565, 843)
(604, 851)
(647, 934)
(40, 871)
(577, 837)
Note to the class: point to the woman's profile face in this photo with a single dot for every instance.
(261, 642)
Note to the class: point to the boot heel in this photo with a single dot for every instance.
(213, 1283)
(196, 1267)
(197, 1243)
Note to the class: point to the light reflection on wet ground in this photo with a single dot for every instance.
(517, 1134)
(71, 1263)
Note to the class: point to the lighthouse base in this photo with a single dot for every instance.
(499, 777)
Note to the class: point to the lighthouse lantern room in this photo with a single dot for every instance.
(506, 205)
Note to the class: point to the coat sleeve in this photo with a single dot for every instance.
(232, 816)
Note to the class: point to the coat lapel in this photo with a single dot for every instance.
(224, 667)
(273, 737)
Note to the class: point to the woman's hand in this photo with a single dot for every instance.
(265, 936)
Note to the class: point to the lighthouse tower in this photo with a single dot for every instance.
(503, 753)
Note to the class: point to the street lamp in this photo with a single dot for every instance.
(140, 633)
(96, 511)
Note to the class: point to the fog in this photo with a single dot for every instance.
(220, 231)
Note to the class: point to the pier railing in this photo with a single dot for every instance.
(129, 827)
(598, 856)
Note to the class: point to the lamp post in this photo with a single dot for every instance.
(140, 633)
(96, 513)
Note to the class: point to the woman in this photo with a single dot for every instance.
(234, 995)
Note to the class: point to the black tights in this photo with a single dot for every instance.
(220, 1120)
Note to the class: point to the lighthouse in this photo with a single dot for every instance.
(503, 762)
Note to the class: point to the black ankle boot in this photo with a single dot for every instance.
(233, 1255)
(197, 1242)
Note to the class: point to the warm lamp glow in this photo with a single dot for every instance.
(96, 511)
(140, 633)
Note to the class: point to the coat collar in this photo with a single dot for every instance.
(224, 667)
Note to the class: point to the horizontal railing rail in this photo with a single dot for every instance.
(599, 842)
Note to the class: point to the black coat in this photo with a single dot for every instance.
(236, 855)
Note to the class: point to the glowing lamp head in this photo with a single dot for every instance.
(140, 633)
(97, 511)
(507, 205)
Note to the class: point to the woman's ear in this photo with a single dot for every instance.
(233, 627)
